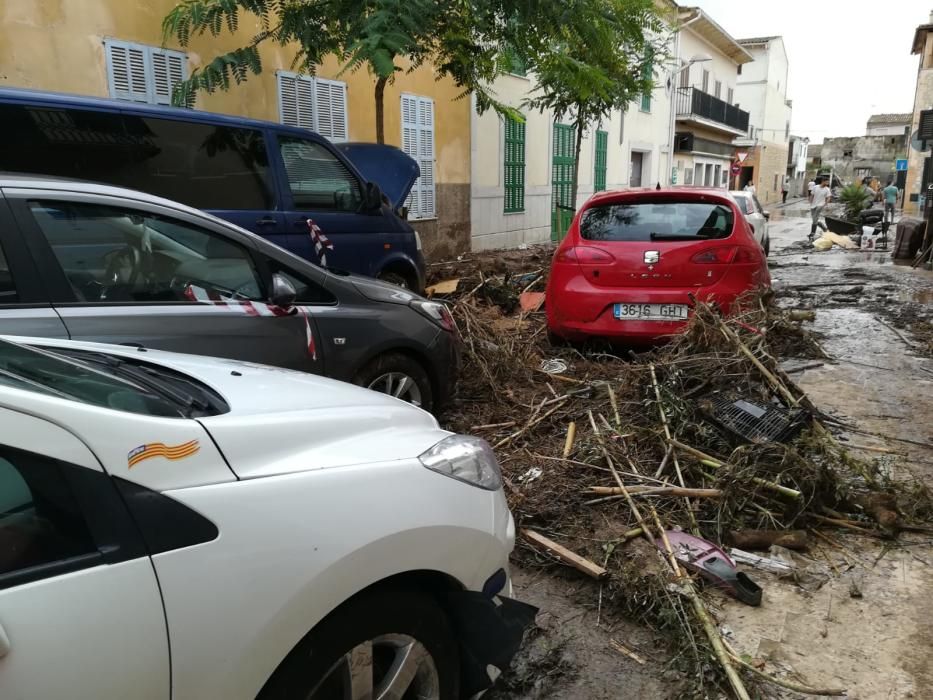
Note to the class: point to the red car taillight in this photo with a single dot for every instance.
(724, 256)
(585, 255)
(447, 320)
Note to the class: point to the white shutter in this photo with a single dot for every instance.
(426, 146)
(168, 69)
(126, 71)
(410, 142)
(330, 109)
(418, 142)
(296, 100)
(323, 110)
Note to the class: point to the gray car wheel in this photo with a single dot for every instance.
(400, 376)
(384, 644)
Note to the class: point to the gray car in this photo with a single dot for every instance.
(94, 262)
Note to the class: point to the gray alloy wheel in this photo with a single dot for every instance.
(389, 667)
(399, 385)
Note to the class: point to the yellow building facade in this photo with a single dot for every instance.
(59, 45)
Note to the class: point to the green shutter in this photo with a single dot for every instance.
(562, 181)
(601, 156)
(516, 64)
(514, 164)
(647, 73)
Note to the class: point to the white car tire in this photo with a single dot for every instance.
(405, 638)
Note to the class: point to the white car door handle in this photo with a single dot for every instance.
(4, 643)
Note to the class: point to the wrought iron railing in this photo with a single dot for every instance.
(693, 102)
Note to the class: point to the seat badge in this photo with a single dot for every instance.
(652, 256)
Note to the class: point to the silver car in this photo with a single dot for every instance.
(94, 262)
(756, 216)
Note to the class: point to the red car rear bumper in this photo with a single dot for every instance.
(578, 310)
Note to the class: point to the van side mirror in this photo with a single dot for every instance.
(374, 198)
(767, 215)
(283, 292)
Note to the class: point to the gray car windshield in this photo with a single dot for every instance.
(657, 221)
(33, 369)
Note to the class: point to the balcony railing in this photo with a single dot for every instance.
(696, 103)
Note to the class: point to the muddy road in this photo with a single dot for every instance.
(864, 619)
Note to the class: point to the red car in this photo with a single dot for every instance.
(631, 260)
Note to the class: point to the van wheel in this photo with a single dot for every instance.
(400, 376)
(396, 279)
(387, 644)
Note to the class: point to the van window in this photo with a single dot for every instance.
(202, 165)
(317, 179)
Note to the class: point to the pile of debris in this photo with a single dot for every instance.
(639, 469)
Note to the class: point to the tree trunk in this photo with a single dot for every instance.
(380, 110)
(576, 163)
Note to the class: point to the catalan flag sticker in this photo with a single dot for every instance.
(160, 449)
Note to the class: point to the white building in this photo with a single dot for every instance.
(762, 90)
(888, 124)
(706, 114)
(521, 173)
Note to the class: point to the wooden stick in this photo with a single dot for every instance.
(833, 692)
(716, 464)
(896, 332)
(667, 456)
(656, 491)
(615, 474)
(622, 649)
(848, 524)
(775, 382)
(872, 448)
(568, 443)
(667, 433)
(489, 426)
(528, 425)
(615, 406)
(565, 555)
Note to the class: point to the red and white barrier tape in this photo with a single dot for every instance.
(252, 308)
(321, 242)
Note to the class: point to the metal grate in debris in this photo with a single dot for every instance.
(752, 422)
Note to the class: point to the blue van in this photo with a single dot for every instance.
(265, 177)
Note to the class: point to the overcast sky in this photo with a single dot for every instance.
(847, 60)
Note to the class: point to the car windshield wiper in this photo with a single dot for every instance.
(679, 236)
(147, 377)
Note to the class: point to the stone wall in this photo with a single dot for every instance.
(448, 235)
(847, 154)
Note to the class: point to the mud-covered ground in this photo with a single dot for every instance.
(863, 620)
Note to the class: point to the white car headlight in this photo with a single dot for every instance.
(467, 459)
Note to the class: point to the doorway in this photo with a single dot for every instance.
(562, 181)
(636, 167)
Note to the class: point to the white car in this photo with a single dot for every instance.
(184, 527)
(757, 217)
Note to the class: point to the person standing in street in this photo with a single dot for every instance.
(749, 187)
(810, 186)
(785, 186)
(890, 200)
(820, 196)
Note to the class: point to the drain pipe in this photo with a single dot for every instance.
(671, 94)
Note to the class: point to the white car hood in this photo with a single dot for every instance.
(283, 421)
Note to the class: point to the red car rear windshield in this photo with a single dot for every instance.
(655, 221)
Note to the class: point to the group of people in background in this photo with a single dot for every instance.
(819, 195)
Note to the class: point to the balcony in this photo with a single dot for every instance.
(686, 142)
(703, 109)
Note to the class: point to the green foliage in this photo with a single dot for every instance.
(855, 198)
(589, 43)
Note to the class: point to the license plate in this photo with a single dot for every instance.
(650, 312)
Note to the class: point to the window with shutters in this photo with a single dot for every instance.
(514, 164)
(730, 96)
(141, 73)
(600, 160)
(313, 103)
(418, 142)
(647, 73)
